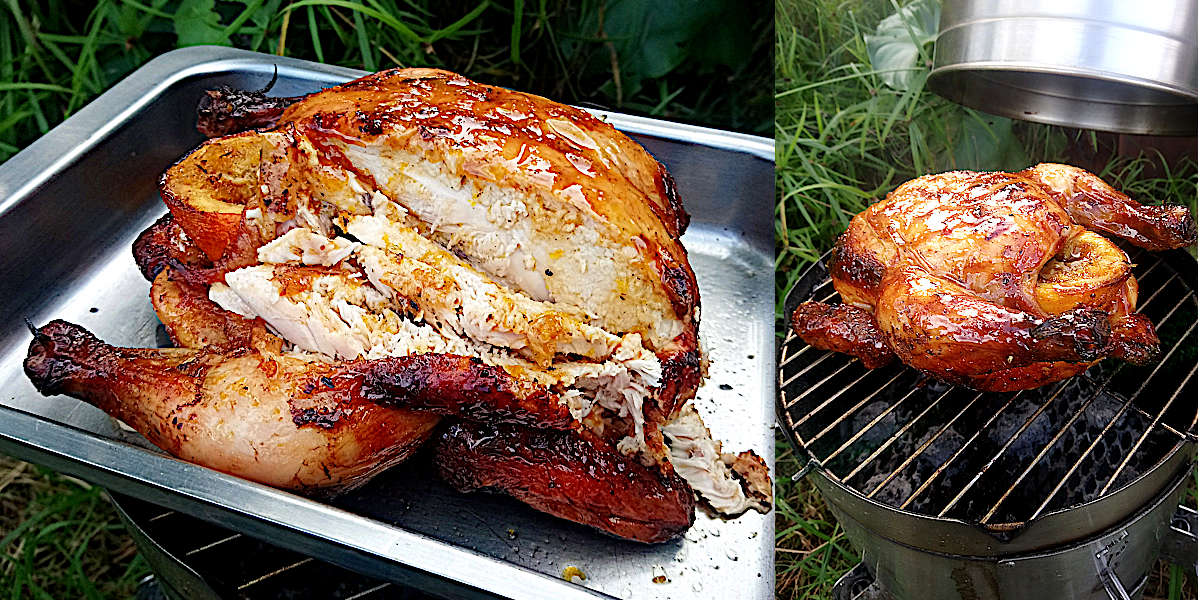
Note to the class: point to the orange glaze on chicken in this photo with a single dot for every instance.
(993, 280)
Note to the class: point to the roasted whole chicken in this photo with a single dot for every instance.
(409, 256)
(996, 281)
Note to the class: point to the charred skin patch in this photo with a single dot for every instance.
(842, 328)
(675, 218)
(227, 110)
(162, 244)
(682, 286)
(61, 353)
(325, 418)
(445, 384)
(568, 474)
(681, 376)
(861, 269)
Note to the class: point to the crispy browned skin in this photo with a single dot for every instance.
(164, 244)
(444, 384)
(567, 474)
(842, 328)
(989, 280)
(1097, 206)
(227, 110)
(244, 413)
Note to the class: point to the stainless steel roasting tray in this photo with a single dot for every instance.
(71, 205)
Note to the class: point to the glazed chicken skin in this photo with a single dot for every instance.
(411, 256)
(995, 281)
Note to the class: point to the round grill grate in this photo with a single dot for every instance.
(910, 442)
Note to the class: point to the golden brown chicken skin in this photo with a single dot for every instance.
(244, 413)
(597, 223)
(994, 280)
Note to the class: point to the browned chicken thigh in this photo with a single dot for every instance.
(993, 280)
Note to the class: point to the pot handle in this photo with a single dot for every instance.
(1179, 547)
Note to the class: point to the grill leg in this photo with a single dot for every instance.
(1180, 545)
(858, 584)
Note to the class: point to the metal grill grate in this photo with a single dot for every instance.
(920, 445)
(234, 565)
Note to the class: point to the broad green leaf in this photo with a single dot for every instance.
(896, 48)
(988, 143)
(197, 22)
(653, 37)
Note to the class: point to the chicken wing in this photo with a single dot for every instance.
(992, 280)
(1097, 206)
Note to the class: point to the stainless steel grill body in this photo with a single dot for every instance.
(1111, 566)
(73, 202)
(948, 489)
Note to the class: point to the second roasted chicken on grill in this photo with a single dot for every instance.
(996, 281)
(415, 255)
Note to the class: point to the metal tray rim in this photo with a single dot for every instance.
(97, 120)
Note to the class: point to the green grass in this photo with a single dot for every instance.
(844, 138)
(59, 538)
(704, 63)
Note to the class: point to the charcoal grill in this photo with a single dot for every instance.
(1065, 491)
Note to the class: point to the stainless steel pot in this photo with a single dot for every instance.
(1115, 65)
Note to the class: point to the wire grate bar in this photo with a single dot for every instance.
(1107, 426)
(863, 430)
(921, 449)
(1142, 412)
(820, 383)
(278, 571)
(810, 367)
(213, 545)
(1143, 302)
(853, 409)
(828, 401)
(160, 516)
(791, 335)
(1146, 433)
(1007, 443)
(368, 592)
(895, 436)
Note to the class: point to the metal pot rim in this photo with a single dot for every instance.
(939, 74)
